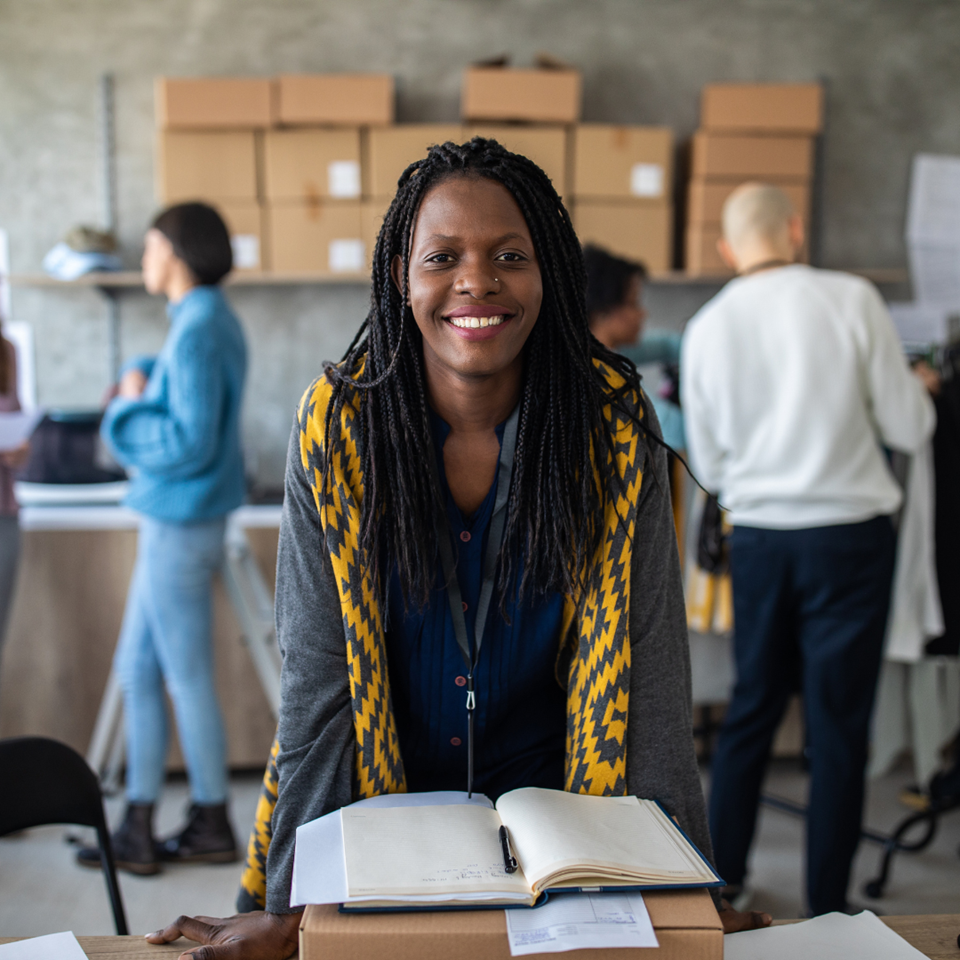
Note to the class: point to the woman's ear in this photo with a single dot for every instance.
(396, 273)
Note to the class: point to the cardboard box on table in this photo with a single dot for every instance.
(762, 107)
(310, 165)
(633, 229)
(686, 923)
(546, 146)
(547, 94)
(208, 103)
(388, 151)
(702, 257)
(244, 220)
(725, 155)
(321, 238)
(352, 99)
(206, 165)
(705, 198)
(622, 162)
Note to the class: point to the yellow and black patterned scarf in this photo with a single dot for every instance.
(597, 654)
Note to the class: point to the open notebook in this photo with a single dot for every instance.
(451, 855)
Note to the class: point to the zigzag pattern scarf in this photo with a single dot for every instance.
(598, 678)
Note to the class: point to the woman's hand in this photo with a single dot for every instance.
(132, 384)
(735, 920)
(247, 936)
(17, 457)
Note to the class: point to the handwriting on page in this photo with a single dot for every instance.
(413, 850)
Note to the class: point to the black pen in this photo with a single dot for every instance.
(509, 863)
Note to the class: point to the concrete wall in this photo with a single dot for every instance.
(893, 68)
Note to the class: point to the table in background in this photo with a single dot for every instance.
(934, 935)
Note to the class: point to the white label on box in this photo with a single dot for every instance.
(246, 251)
(343, 178)
(646, 180)
(347, 256)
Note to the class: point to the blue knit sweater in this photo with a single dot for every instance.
(182, 435)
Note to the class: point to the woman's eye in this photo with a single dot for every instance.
(440, 258)
(511, 257)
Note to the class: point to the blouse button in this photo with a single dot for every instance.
(455, 741)
(461, 681)
(464, 602)
(465, 535)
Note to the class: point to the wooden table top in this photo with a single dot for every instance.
(933, 934)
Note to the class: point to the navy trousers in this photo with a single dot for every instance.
(810, 611)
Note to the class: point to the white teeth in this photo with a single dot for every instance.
(472, 322)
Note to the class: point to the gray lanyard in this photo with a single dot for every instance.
(497, 522)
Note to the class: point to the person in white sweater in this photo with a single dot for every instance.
(793, 382)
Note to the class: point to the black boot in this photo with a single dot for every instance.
(207, 838)
(134, 848)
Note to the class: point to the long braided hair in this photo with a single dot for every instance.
(557, 498)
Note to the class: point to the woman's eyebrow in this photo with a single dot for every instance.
(447, 238)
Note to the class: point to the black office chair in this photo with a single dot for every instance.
(49, 782)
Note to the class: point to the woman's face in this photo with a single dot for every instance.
(622, 325)
(474, 281)
(157, 262)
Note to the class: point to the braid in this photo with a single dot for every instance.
(556, 502)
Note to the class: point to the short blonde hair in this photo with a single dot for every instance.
(755, 211)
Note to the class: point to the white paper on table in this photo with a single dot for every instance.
(319, 873)
(54, 946)
(833, 936)
(16, 428)
(581, 921)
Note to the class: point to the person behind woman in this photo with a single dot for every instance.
(474, 360)
(176, 422)
(617, 320)
(10, 461)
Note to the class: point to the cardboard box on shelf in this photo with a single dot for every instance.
(204, 103)
(685, 921)
(388, 151)
(335, 98)
(207, 165)
(633, 229)
(758, 157)
(702, 259)
(322, 238)
(705, 198)
(762, 107)
(372, 213)
(244, 220)
(546, 146)
(540, 95)
(620, 161)
(307, 165)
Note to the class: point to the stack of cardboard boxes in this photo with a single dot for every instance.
(303, 167)
(280, 158)
(622, 188)
(748, 132)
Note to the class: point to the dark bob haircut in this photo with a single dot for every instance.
(608, 278)
(199, 238)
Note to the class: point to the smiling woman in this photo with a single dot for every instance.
(496, 601)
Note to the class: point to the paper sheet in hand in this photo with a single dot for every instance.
(834, 936)
(16, 428)
(54, 946)
(318, 865)
(581, 921)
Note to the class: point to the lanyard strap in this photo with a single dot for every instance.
(497, 523)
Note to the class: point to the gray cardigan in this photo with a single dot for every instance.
(316, 758)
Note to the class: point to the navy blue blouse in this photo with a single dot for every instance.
(520, 717)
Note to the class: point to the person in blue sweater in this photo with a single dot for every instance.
(617, 320)
(175, 424)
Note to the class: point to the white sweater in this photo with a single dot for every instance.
(791, 380)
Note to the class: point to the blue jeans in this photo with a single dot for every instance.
(166, 641)
(809, 614)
